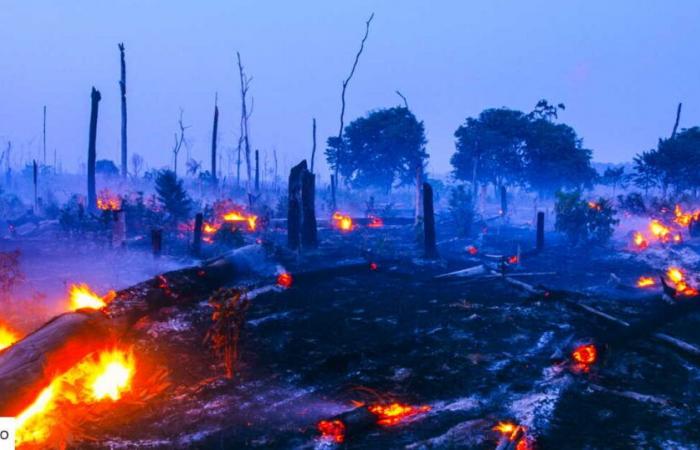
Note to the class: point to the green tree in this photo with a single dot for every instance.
(172, 195)
(380, 149)
(613, 176)
(584, 222)
(489, 148)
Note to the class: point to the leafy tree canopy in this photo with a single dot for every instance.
(172, 195)
(380, 149)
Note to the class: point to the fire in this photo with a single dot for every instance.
(81, 296)
(639, 241)
(677, 276)
(585, 354)
(285, 280)
(594, 205)
(107, 201)
(7, 336)
(659, 230)
(506, 428)
(684, 218)
(375, 222)
(514, 433)
(342, 222)
(236, 216)
(332, 430)
(513, 259)
(394, 413)
(645, 282)
(98, 377)
(472, 250)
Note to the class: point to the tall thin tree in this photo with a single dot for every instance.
(245, 115)
(313, 148)
(95, 98)
(44, 134)
(214, 137)
(122, 87)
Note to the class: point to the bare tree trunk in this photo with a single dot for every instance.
(274, 153)
(419, 195)
(35, 174)
(122, 87)
(95, 98)
(294, 209)
(44, 134)
(345, 86)
(678, 118)
(245, 115)
(257, 171)
(214, 136)
(334, 203)
(313, 149)
(429, 222)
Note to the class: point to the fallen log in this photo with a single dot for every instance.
(28, 366)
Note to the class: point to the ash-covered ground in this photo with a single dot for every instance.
(475, 350)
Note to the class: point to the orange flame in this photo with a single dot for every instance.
(659, 230)
(107, 201)
(639, 241)
(332, 430)
(513, 433)
(684, 218)
(81, 296)
(472, 250)
(585, 354)
(285, 280)
(342, 221)
(237, 216)
(101, 377)
(394, 413)
(594, 205)
(7, 336)
(375, 222)
(677, 276)
(643, 282)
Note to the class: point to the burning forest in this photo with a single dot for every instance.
(206, 275)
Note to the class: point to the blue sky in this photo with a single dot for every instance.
(620, 67)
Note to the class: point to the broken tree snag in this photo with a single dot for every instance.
(678, 119)
(257, 171)
(504, 201)
(157, 242)
(197, 243)
(122, 87)
(35, 174)
(214, 137)
(294, 207)
(540, 231)
(429, 222)
(309, 235)
(95, 98)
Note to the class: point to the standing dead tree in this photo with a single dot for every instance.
(179, 141)
(244, 140)
(122, 88)
(214, 137)
(342, 95)
(95, 98)
(313, 148)
(678, 119)
(44, 134)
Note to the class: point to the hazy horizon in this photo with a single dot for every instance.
(620, 69)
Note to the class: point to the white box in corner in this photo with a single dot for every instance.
(8, 425)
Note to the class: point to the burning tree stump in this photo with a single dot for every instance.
(309, 235)
(429, 222)
(540, 231)
(95, 98)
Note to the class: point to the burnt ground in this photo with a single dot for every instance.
(476, 351)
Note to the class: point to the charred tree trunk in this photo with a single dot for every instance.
(35, 176)
(214, 137)
(540, 231)
(429, 222)
(197, 243)
(122, 87)
(44, 135)
(309, 234)
(419, 195)
(313, 148)
(95, 98)
(678, 119)
(68, 338)
(157, 242)
(504, 201)
(257, 171)
(334, 203)
(294, 213)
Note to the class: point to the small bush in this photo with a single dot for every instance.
(584, 222)
(462, 209)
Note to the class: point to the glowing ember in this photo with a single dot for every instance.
(342, 222)
(107, 201)
(285, 280)
(506, 428)
(514, 433)
(645, 282)
(81, 296)
(332, 430)
(585, 354)
(373, 266)
(395, 413)
(684, 218)
(659, 230)
(639, 241)
(513, 259)
(677, 276)
(472, 250)
(236, 216)
(7, 336)
(594, 205)
(101, 377)
(375, 222)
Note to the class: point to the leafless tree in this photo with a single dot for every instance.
(244, 140)
(122, 88)
(678, 119)
(313, 148)
(136, 164)
(345, 86)
(405, 102)
(179, 141)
